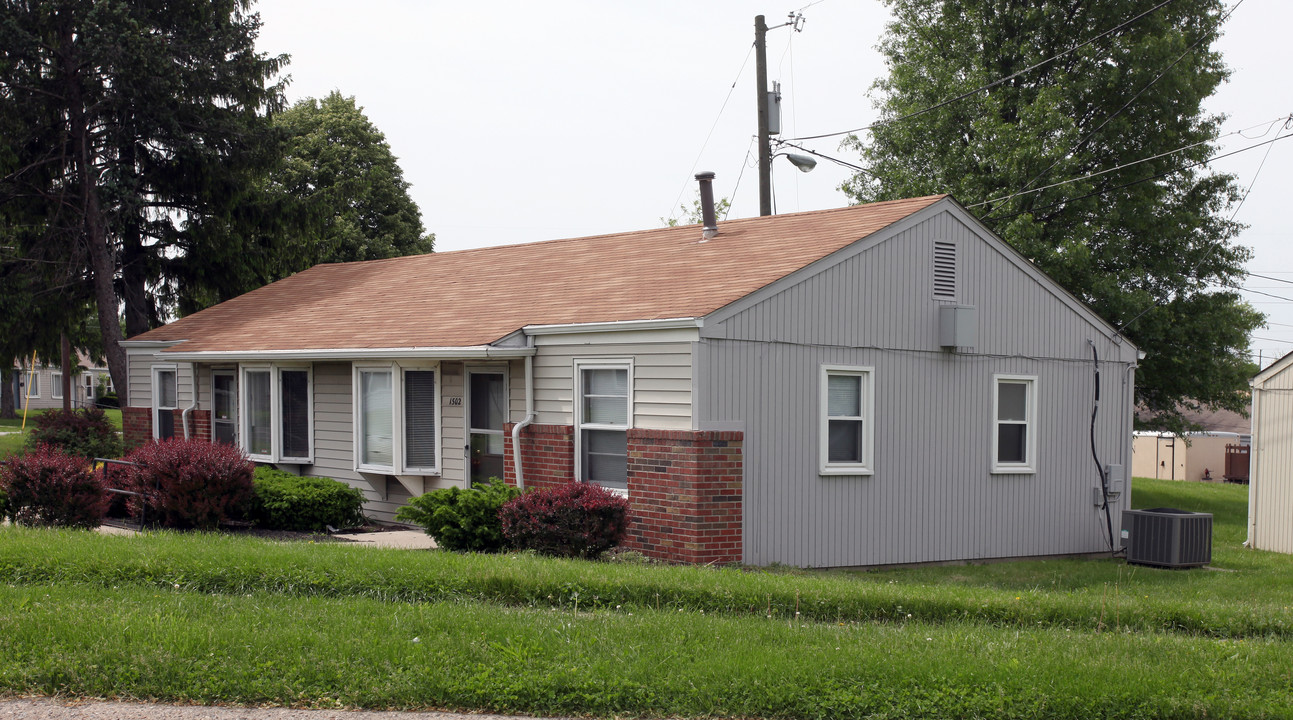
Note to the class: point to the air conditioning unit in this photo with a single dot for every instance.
(1167, 537)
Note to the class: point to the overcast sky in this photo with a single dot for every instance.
(522, 121)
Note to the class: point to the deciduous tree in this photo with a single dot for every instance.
(1089, 164)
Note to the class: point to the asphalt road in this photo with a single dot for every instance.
(46, 709)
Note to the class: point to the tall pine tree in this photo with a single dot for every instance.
(139, 120)
(1147, 245)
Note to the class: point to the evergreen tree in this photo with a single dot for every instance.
(136, 121)
(1147, 246)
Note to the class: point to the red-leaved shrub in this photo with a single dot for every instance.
(85, 433)
(190, 483)
(572, 520)
(49, 487)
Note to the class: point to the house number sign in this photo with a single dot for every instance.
(455, 402)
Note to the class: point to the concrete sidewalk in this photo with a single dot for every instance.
(401, 538)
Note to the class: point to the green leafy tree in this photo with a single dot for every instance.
(351, 199)
(695, 214)
(136, 121)
(1147, 246)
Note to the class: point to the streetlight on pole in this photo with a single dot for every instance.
(764, 104)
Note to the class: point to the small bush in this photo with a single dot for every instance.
(283, 501)
(462, 520)
(4, 504)
(83, 433)
(48, 487)
(107, 401)
(571, 520)
(190, 483)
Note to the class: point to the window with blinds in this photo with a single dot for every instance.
(846, 420)
(944, 270)
(294, 414)
(419, 420)
(165, 400)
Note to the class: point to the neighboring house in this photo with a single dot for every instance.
(40, 386)
(1270, 490)
(1217, 452)
(886, 383)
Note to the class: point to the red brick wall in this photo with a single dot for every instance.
(684, 487)
(547, 455)
(136, 427)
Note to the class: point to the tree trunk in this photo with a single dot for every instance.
(7, 409)
(133, 262)
(102, 263)
(65, 350)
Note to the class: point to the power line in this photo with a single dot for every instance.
(1149, 179)
(1134, 98)
(673, 212)
(990, 85)
(1003, 198)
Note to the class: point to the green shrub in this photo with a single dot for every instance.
(108, 400)
(48, 487)
(570, 520)
(4, 504)
(283, 501)
(462, 520)
(85, 433)
(190, 483)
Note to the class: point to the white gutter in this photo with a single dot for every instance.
(618, 325)
(184, 416)
(475, 352)
(529, 418)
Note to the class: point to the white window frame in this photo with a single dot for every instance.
(399, 463)
(237, 405)
(32, 387)
(275, 371)
(56, 385)
(1029, 465)
(157, 394)
(867, 418)
(581, 364)
(485, 369)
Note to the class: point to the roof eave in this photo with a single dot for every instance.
(473, 352)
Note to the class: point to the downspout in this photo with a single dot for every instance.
(184, 416)
(529, 418)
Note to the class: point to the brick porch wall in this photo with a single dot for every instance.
(547, 455)
(137, 425)
(684, 487)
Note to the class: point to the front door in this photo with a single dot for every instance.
(224, 407)
(486, 413)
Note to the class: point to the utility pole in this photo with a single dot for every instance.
(761, 86)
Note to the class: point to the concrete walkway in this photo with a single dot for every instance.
(401, 538)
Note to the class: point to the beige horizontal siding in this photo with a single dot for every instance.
(661, 378)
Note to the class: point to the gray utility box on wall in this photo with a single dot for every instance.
(1167, 537)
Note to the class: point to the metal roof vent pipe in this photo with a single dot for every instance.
(706, 180)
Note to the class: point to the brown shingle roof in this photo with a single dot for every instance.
(475, 297)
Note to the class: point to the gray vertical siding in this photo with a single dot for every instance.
(932, 496)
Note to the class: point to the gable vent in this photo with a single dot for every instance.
(944, 270)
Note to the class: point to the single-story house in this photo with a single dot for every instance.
(1270, 487)
(1215, 453)
(877, 384)
(39, 385)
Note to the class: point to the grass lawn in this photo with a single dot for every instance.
(11, 442)
(209, 618)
